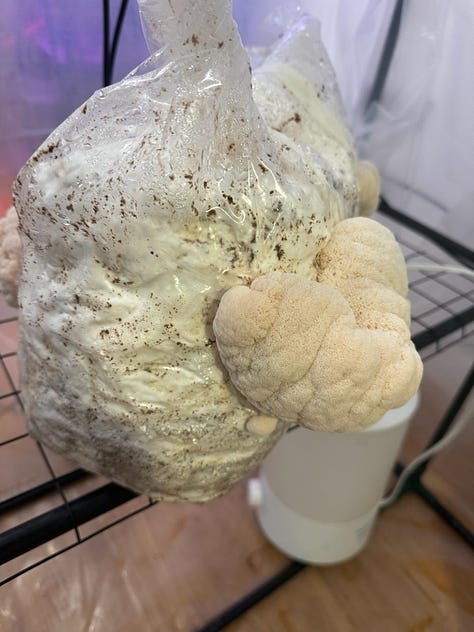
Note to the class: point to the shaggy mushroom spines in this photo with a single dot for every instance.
(333, 352)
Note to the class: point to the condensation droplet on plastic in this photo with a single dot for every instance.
(72, 138)
(130, 131)
(137, 111)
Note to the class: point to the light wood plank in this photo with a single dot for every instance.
(413, 575)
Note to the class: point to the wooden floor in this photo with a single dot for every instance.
(175, 567)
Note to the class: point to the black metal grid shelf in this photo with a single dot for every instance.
(46, 499)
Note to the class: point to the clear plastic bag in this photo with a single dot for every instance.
(139, 211)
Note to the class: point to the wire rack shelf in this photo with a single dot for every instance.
(48, 505)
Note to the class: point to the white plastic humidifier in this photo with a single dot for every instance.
(318, 493)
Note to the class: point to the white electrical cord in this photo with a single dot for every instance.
(441, 268)
(466, 416)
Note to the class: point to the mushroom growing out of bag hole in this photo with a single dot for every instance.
(194, 273)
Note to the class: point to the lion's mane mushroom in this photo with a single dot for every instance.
(332, 353)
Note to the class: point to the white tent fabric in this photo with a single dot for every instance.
(420, 133)
(422, 136)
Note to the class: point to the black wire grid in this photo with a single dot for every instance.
(442, 316)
